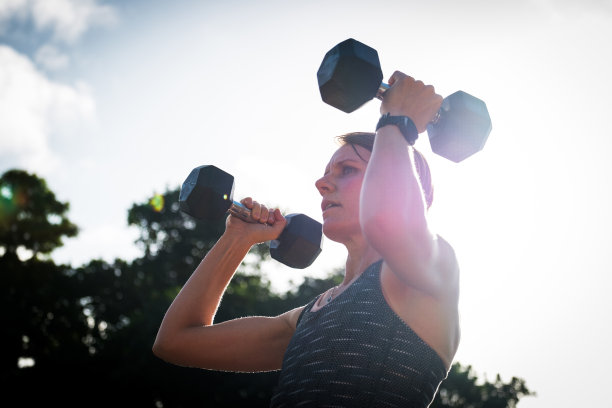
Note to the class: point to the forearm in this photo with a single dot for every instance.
(198, 300)
(187, 335)
(391, 193)
(392, 202)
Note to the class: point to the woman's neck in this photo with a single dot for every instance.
(358, 259)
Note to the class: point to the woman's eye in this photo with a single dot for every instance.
(347, 170)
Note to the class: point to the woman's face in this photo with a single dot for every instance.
(340, 188)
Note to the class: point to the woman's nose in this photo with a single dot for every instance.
(323, 185)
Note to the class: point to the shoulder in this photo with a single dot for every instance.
(429, 306)
(291, 318)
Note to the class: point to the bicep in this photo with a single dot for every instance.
(246, 344)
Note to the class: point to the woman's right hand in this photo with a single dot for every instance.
(268, 223)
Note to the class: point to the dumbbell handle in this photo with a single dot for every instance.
(239, 210)
(383, 88)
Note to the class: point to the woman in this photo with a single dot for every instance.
(387, 335)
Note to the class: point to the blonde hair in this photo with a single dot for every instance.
(366, 140)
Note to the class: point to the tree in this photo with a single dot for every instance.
(461, 389)
(42, 321)
(30, 216)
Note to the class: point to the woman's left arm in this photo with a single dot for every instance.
(392, 206)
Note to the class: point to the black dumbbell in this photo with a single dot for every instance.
(350, 75)
(207, 194)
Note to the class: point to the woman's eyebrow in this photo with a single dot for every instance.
(340, 163)
(345, 161)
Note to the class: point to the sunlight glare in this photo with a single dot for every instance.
(157, 202)
(6, 192)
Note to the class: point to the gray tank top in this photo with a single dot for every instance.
(356, 352)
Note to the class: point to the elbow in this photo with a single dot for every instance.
(158, 349)
(171, 350)
(162, 349)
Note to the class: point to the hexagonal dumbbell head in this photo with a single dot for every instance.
(349, 75)
(300, 242)
(207, 193)
(462, 128)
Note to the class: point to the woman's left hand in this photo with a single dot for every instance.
(409, 97)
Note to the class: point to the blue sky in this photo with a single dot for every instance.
(114, 101)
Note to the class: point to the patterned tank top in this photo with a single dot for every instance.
(356, 352)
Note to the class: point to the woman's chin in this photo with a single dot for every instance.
(331, 231)
(336, 231)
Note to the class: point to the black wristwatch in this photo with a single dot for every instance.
(404, 123)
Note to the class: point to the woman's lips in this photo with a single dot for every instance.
(327, 204)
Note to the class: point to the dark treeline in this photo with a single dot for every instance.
(83, 336)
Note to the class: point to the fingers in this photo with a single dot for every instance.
(410, 97)
(277, 217)
(409, 82)
(398, 75)
(260, 213)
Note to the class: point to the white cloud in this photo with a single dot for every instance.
(10, 8)
(51, 58)
(67, 20)
(32, 109)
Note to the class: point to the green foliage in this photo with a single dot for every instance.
(462, 390)
(30, 215)
(42, 318)
(89, 331)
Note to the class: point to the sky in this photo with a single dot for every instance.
(112, 102)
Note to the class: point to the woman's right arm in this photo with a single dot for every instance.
(187, 335)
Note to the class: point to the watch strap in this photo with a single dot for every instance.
(404, 124)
